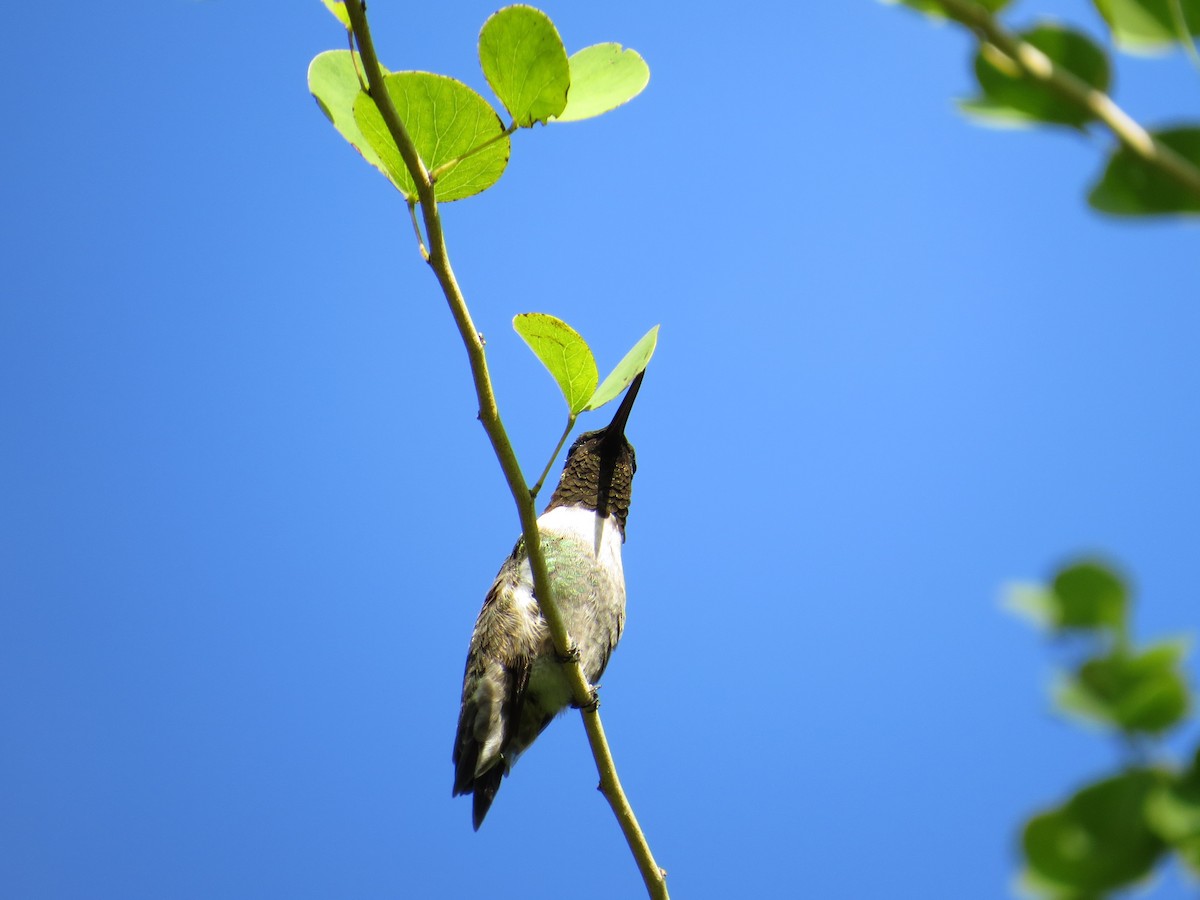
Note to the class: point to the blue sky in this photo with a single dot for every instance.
(247, 515)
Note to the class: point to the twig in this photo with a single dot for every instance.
(581, 691)
(1039, 66)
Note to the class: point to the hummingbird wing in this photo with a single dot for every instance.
(506, 640)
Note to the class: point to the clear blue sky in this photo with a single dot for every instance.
(247, 515)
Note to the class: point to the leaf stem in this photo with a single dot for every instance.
(412, 214)
(451, 163)
(1179, 20)
(533, 492)
(582, 692)
(1040, 67)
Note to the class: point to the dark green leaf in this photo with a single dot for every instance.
(1149, 25)
(1009, 96)
(564, 353)
(526, 64)
(1137, 693)
(633, 362)
(333, 80)
(1098, 841)
(1089, 595)
(1130, 187)
(603, 77)
(446, 120)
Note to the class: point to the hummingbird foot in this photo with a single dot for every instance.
(593, 703)
(571, 656)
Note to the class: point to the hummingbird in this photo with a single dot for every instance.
(514, 684)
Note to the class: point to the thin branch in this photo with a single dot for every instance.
(533, 491)
(582, 692)
(1039, 66)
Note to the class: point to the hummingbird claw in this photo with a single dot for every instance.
(593, 704)
(571, 656)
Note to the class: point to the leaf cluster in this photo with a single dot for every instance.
(1133, 182)
(460, 137)
(1114, 832)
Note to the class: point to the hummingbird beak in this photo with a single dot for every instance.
(616, 427)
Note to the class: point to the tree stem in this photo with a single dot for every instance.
(1037, 65)
(489, 415)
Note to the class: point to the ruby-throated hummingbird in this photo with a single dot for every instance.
(514, 683)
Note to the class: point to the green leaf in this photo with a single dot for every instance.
(564, 353)
(603, 77)
(338, 8)
(333, 81)
(937, 11)
(1137, 693)
(1147, 26)
(1011, 97)
(1173, 809)
(1089, 595)
(525, 62)
(1130, 187)
(1098, 841)
(1032, 602)
(446, 120)
(627, 369)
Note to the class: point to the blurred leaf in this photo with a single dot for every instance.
(1129, 187)
(526, 64)
(338, 8)
(1032, 602)
(627, 369)
(1137, 693)
(564, 353)
(1147, 25)
(1089, 595)
(1097, 842)
(1009, 96)
(1173, 809)
(603, 77)
(935, 9)
(333, 81)
(445, 120)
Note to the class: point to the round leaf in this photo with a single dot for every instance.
(526, 64)
(627, 369)
(333, 81)
(1137, 693)
(1129, 187)
(1099, 840)
(446, 121)
(1173, 810)
(1148, 25)
(1090, 595)
(603, 77)
(564, 353)
(1011, 97)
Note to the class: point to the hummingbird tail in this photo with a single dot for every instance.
(484, 792)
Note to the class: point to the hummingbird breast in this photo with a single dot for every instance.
(514, 684)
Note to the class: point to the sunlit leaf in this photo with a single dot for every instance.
(1131, 187)
(1135, 692)
(338, 8)
(564, 353)
(627, 369)
(526, 64)
(1098, 841)
(333, 81)
(1173, 809)
(446, 120)
(1008, 96)
(1146, 26)
(1032, 602)
(603, 77)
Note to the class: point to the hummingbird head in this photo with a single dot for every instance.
(598, 473)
